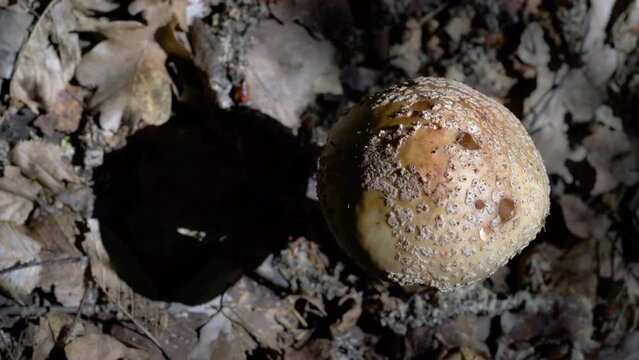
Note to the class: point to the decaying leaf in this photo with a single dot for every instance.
(64, 116)
(127, 70)
(17, 247)
(45, 163)
(48, 60)
(286, 68)
(17, 194)
(101, 346)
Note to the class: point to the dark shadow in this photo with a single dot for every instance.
(238, 176)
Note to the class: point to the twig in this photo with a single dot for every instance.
(432, 14)
(62, 337)
(15, 193)
(144, 330)
(544, 102)
(37, 24)
(6, 347)
(42, 263)
(25, 311)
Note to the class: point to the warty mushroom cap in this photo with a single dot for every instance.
(431, 182)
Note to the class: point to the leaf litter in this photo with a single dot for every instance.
(84, 77)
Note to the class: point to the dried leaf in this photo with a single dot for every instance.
(56, 235)
(101, 346)
(466, 331)
(533, 49)
(623, 35)
(13, 31)
(408, 55)
(143, 311)
(45, 163)
(258, 309)
(79, 198)
(220, 338)
(91, 6)
(16, 195)
(581, 220)
(48, 60)
(129, 75)
(607, 142)
(574, 91)
(286, 68)
(628, 348)
(40, 339)
(178, 339)
(349, 319)
(16, 247)
(460, 23)
(65, 114)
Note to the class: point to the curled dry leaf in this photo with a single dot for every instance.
(16, 247)
(45, 163)
(127, 70)
(48, 60)
(16, 195)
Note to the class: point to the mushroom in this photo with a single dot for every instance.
(431, 182)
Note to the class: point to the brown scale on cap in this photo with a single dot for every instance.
(431, 182)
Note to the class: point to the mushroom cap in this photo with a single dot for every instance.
(431, 182)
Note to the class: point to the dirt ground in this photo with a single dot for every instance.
(158, 159)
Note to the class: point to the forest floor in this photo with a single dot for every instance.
(157, 189)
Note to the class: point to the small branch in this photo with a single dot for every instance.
(144, 330)
(64, 334)
(29, 264)
(26, 311)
